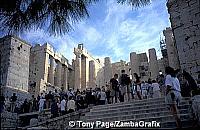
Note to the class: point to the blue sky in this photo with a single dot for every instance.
(111, 30)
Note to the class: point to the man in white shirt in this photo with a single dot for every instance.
(63, 106)
(70, 105)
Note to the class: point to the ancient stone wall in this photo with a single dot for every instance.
(185, 22)
(14, 64)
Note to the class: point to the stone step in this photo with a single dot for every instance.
(131, 112)
(128, 104)
(161, 118)
(144, 101)
(133, 116)
(135, 107)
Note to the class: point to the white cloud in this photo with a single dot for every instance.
(121, 31)
(61, 44)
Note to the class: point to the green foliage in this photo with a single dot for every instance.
(55, 16)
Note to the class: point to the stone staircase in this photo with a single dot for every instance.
(134, 111)
(140, 110)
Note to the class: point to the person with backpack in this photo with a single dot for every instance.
(115, 88)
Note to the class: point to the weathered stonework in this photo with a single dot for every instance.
(118, 66)
(171, 49)
(134, 63)
(47, 69)
(139, 64)
(14, 66)
(107, 70)
(185, 22)
(82, 69)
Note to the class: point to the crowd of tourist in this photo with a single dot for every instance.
(119, 89)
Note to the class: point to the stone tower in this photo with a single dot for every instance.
(153, 64)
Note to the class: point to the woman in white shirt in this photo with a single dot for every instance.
(156, 89)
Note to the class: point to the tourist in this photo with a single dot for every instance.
(62, 92)
(115, 88)
(49, 97)
(13, 100)
(58, 104)
(144, 89)
(80, 104)
(156, 89)
(41, 104)
(92, 98)
(102, 99)
(133, 84)
(63, 106)
(123, 85)
(97, 96)
(56, 94)
(25, 106)
(138, 86)
(108, 93)
(172, 93)
(161, 82)
(150, 89)
(54, 109)
(191, 82)
(71, 93)
(42, 96)
(31, 103)
(35, 105)
(71, 105)
(7, 103)
(124, 81)
(185, 88)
